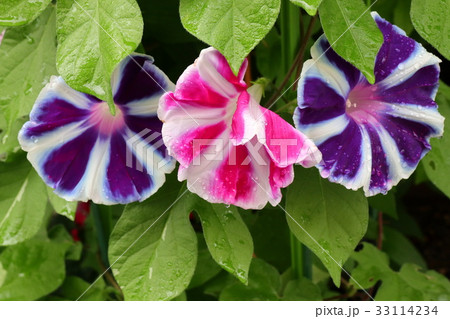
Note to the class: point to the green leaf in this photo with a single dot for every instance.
(59, 234)
(31, 269)
(227, 237)
(263, 284)
(23, 202)
(372, 266)
(180, 297)
(9, 144)
(234, 27)
(400, 249)
(385, 203)
(61, 206)
(409, 284)
(73, 287)
(153, 248)
(326, 217)
(301, 290)
(437, 161)
(352, 33)
(433, 285)
(93, 37)
(18, 12)
(270, 234)
(268, 55)
(206, 268)
(27, 59)
(310, 6)
(430, 18)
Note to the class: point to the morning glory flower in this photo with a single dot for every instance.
(370, 136)
(231, 150)
(85, 153)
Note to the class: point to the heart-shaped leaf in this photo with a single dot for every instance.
(234, 27)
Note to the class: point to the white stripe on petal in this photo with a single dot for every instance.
(322, 131)
(93, 183)
(144, 107)
(362, 179)
(322, 68)
(418, 59)
(208, 66)
(146, 152)
(39, 148)
(422, 115)
(398, 168)
(57, 88)
(90, 186)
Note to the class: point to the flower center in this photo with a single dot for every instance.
(362, 103)
(105, 122)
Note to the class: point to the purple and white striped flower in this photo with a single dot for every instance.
(85, 153)
(370, 136)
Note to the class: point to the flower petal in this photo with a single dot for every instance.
(85, 153)
(329, 66)
(247, 119)
(370, 136)
(229, 146)
(138, 84)
(319, 101)
(215, 70)
(286, 145)
(418, 89)
(399, 56)
(232, 175)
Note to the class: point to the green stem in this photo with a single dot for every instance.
(290, 42)
(102, 224)
(301, 259)
(307, 263)
(296, 257)
(297, 63)
(290, 33)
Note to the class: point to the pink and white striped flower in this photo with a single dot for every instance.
(231, 150)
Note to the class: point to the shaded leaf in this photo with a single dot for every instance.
(409, 284)
(270, 234)
(326, 217)
(301, 290)
(162, 22)
(385, 203)
(437, 161)
(400, 249)
(206, 268)
(263, 284)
